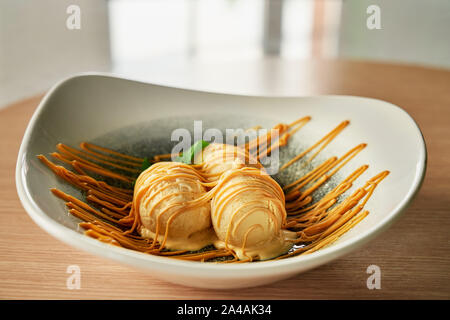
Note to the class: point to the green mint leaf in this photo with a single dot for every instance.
(145, 164)
(188, 156)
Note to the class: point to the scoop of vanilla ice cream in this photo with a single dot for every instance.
(163, 196)
(248, 213)
(218, 158)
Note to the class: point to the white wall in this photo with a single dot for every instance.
(37, 49)
(178, 42)
(412, 31)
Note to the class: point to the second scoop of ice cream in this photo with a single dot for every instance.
(248, 214)
(218, 158)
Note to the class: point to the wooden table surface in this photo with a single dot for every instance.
(414, 254)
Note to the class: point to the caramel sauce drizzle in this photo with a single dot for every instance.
(112, 218)
(322, 143)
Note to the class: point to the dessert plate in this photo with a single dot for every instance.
(138, 118)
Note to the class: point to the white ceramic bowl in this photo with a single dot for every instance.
(89, 106)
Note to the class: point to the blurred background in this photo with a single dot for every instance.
(240, 46)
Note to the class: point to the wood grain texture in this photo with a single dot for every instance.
(413, 254)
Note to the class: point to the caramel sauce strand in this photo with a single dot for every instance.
(83, 205)
(80, 166)
(338, 220)
(263, 146)
(85, 148)
(104, 172)
(120, 157)
(323, 141)
(318, 177)
(91, 147)
(283, 140)
(325, 167)
(257, 143)
(88, 158)
(208, 255)
(87, 183)
(331, 197)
